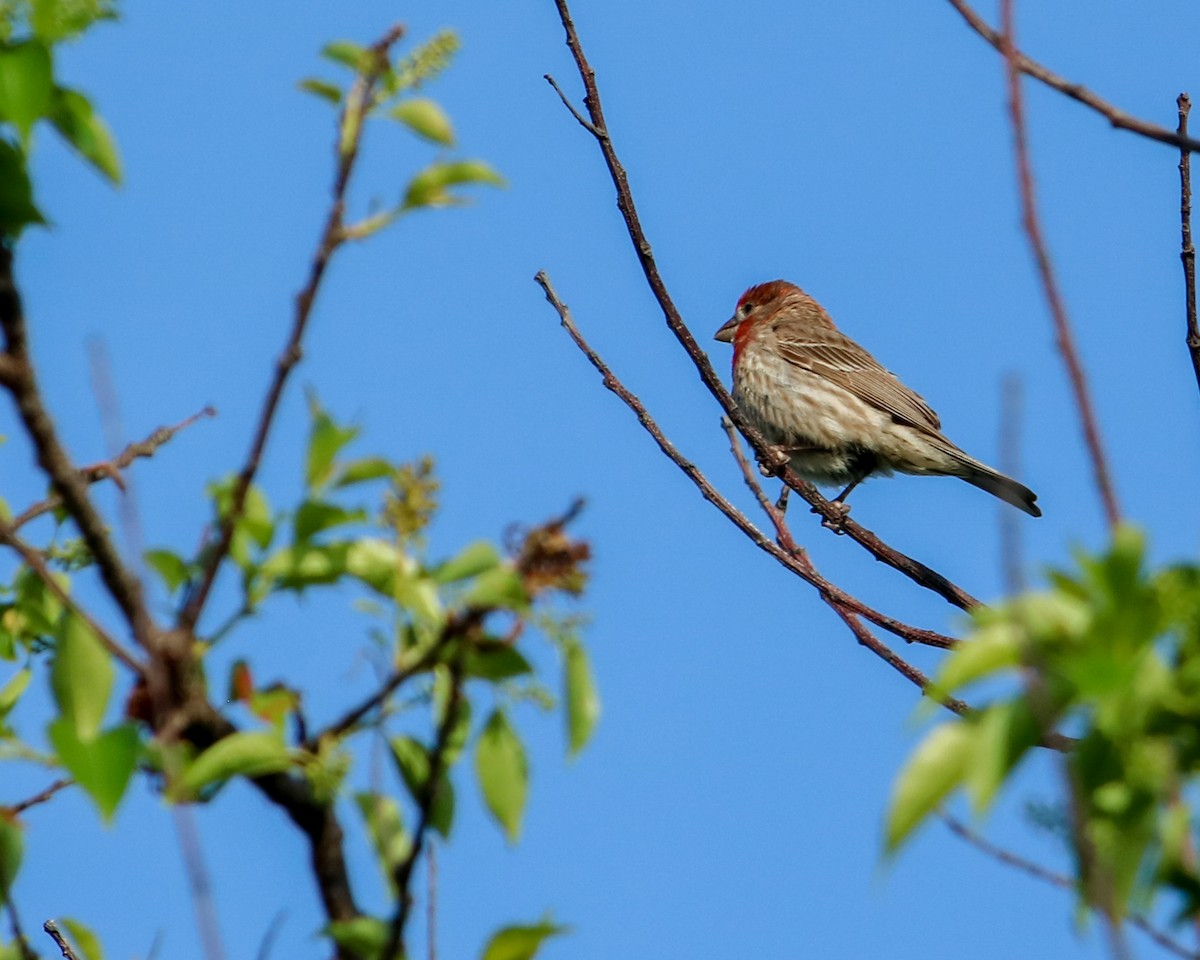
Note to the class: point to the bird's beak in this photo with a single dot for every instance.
(725, 334)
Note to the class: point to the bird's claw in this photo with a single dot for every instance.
(837, 522)
(774, 460)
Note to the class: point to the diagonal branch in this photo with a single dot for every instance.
(1187, 253)
(847, 607)
(1064, 335)
(1076, 91)
(55, 462)
(93, 473)
(350, 127)
(913, 569)
(34, 561)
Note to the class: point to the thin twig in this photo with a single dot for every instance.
(1011, 553)
(14, 917)
(829, 591)
(1065, 337)
(913, 569)
(38, 798)
(431, 902)
(1187, 252)
(54, 461)
(60, 941)
(402, 875)
(111, 469)
(847, 607)
(1060, 880)
(34, 561)
(352, 118)
(272, 934)
(1076, 91)
(199, 882)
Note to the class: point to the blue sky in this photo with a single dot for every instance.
(730, 804)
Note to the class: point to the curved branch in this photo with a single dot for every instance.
(846, 607)
(913, 569)
(1064, 335)
(358, 102)
(1076, 91)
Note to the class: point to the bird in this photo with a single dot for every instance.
(831, 408)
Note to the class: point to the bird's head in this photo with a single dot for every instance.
(762, 300)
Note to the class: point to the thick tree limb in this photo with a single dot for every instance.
(54, 461)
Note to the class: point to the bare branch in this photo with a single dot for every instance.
(402, 875)
(352, 117)
(111, 469)
(54, 461)
(1060, 880)
(1076, 91)
(1187, 252)
(34, 561)
(60, 941)
(1065, 337)
(38, 798)
(913, 569)
(795, 559)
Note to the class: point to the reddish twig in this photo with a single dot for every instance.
(111, 469)
(829, 592)
(1060, 880)
(52, 458)
(352, 118)
(1187, 251)
(38, 798)
(34, 561)
(597, 127)
(794, 559)
(1076, 91)
(1062, 325)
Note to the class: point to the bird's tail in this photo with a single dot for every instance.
(985, 478)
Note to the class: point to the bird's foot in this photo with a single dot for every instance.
(782, 502)
(836, 522)
(773, 460)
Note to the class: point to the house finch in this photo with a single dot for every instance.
(828, 404)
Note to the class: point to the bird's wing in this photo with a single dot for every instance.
(848, 365)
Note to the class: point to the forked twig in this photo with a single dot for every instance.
(913, 569)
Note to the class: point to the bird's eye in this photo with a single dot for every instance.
(745, 309)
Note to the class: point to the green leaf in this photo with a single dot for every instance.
(247, 754)
(374, 562)
(79, 124)
(426, 119)
(256, 518)
(991, 649)
(429, 187)
(384, 823)
(171, 567)
(362, 470)
(307, 565)
(1005, 733)
(346, 53)
(86, 943)
(419, 595)
(503, 772)
(16, 192)
(475, 559)
(495, 660)
(102, 765)
(315, 516)
(412, 760)
(520, 942)
(11, 691)
(500, 587)
(365, 937)
(81, 677)
(326, 439)
(323, 89)
(26, 84)
(579, 691)
(935, 768)
(12, 849)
